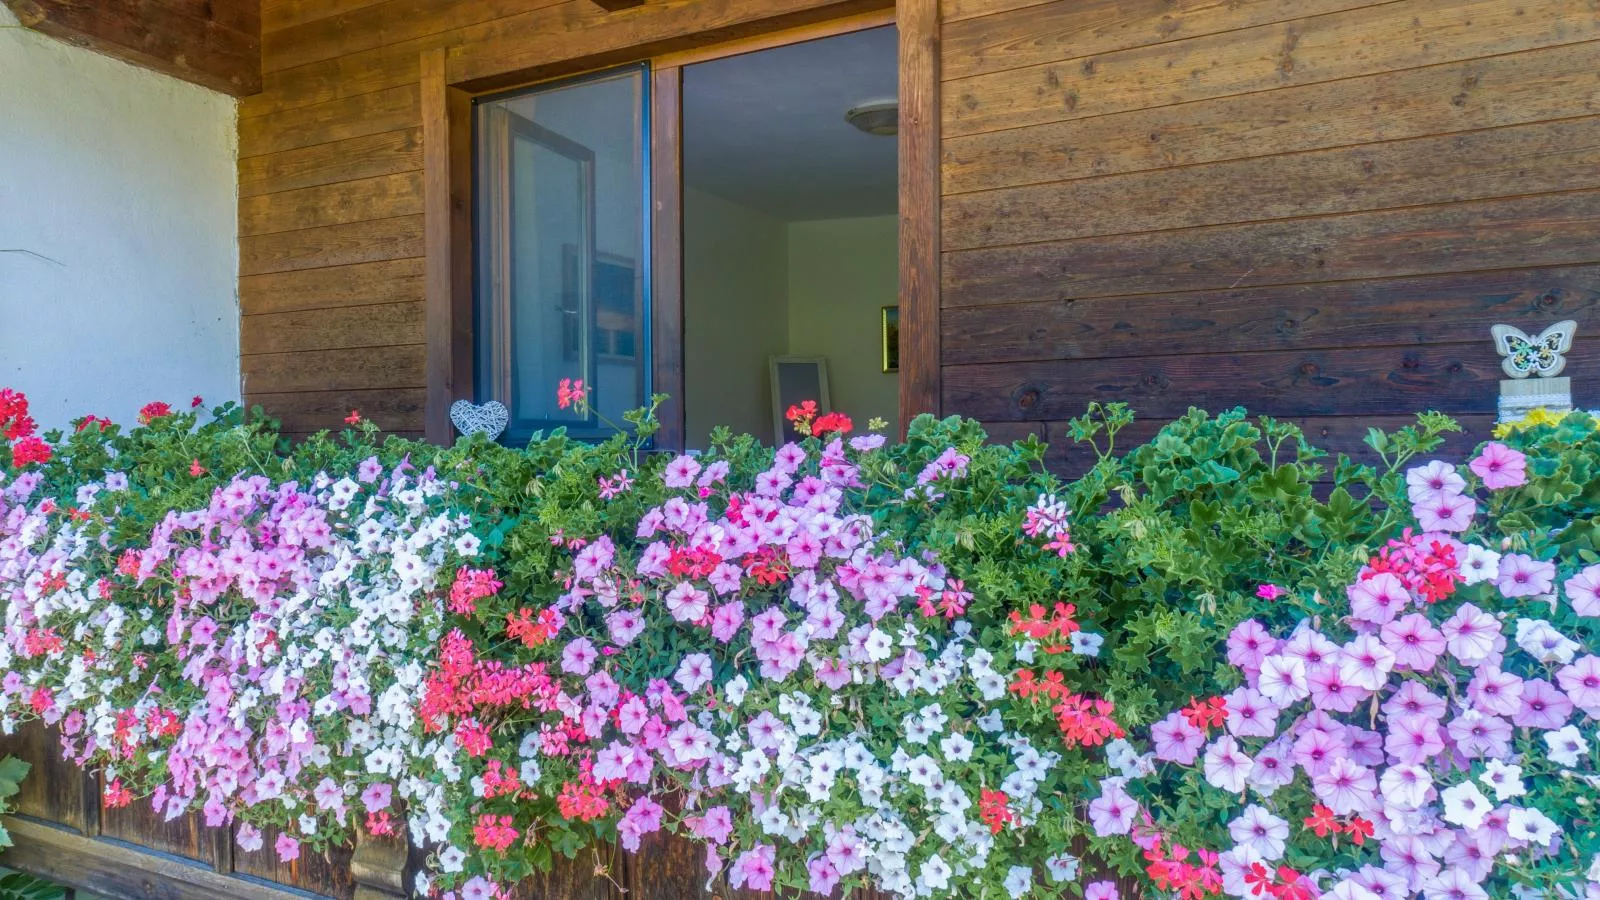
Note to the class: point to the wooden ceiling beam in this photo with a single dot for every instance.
(215, 43)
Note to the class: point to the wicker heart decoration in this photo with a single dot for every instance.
(470, 419)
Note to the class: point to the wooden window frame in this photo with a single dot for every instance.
(449, 87)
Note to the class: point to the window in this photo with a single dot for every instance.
(562, 286)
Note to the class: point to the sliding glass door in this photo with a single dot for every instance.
(563, 274)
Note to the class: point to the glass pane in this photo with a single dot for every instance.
(562, 286)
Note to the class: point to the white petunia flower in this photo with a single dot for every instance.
(1019, 881)
(956, 747)
(1566, 745)
(1085, 643)
(1465, 805)
(1480, 564)
(935, 875)
(1531, 825)
(1506, 780)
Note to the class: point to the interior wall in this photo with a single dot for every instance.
(736, 314)
(119, 237)
(842, 272)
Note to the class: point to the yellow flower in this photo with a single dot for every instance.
(1535, 417)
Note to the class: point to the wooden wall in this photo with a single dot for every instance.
(1312, 207)
(331, 173)
(216, 43)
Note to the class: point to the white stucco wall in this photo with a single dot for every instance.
(119, 186)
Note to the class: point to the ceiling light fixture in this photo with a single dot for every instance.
(879, 117)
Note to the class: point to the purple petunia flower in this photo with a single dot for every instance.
(1581, 681)
(1523, 576)
(1583, 592)
(1175, 740)
(1542, 706)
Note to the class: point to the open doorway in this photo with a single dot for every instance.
(790, 241)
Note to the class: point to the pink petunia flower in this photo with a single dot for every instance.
(1101, 890)
(1282, 680)
(1425, 482)
(1541, 705)
(1523, 576)
(1416, 644)
(1346, 788)
(1583, 592)
(1226, 766)
(754, 868)
(1413, 740)
(1494, 691)
(1175, 740)
(1470, 634)
(1378, 599)
(1500, 466)
(1251, 714)
(1445, 512)
(680, 472)
(1581, 681)
(288, 848)
(1113, 811)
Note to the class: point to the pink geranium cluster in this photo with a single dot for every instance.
(1439, 723)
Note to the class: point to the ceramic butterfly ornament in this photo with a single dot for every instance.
(489, 418)
(1541, 355)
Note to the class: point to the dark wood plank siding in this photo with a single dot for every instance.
(216, 43)
(1309, 207)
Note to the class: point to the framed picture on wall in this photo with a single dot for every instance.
(796, 379)
(891, 338)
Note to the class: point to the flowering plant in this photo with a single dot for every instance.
(801, 657)
(1422, 725)
(928, 666)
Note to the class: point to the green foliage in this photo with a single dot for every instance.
(21, 886)
(12, 771)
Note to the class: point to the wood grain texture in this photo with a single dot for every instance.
(363, 114)
(117, 870)
(1523, 159)
(343, 78)
(366, 156)
(214, 43)
(327, 875)
(138, 823)
(362, 200)
(380, 24)
(920, 234)
(277, 15)
(1398, 35)
(1545, 230)
(1453, 378)
(447, 139)
(333, 287)
(332, 245)
(370, 368)
(333, 328)
(1531, 86)
(391, 409)
(1074, 29)
(666, 239)
(54, 790)
(1450, 308)
(538, 44)
(956, 10)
